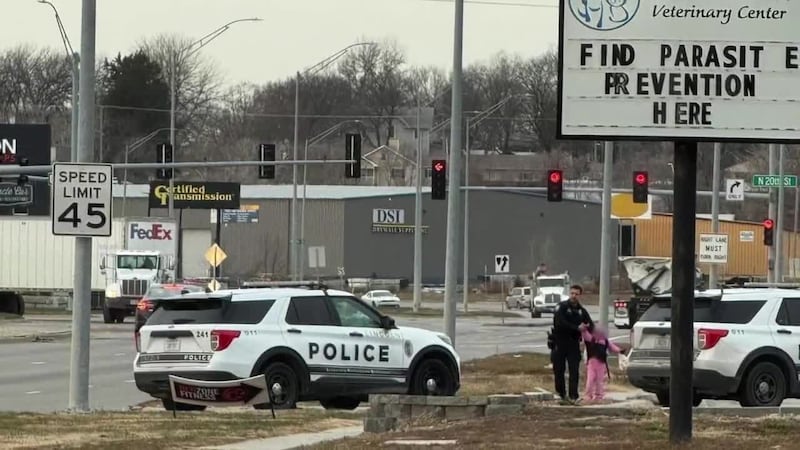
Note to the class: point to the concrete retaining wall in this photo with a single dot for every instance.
(390, 412)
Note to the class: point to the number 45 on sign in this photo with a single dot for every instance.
(82, 198)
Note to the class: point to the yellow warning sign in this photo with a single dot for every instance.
(214, 255)
(622, 207)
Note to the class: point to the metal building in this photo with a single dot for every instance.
(369, 231)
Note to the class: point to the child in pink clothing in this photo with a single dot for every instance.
(597, 348)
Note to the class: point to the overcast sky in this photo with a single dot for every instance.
(295, 33)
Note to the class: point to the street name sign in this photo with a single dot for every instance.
(714, 70)
(774, 181)
(82, 199)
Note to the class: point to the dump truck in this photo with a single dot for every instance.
(649, 276)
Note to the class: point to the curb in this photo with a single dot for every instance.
(55, 335)
(293, 441)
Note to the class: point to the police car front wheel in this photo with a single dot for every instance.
(433, 377)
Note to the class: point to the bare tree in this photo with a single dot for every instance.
(197, 83)
(35, 83)
(377, 77)
(539, 79)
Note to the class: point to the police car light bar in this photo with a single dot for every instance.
(313, 285)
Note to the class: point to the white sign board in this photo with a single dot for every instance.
(389, 216)
(316, 257)
(734, 190)
(713, 249)
(82, 197)
(501, 263)
(667, 69)
(747, 236)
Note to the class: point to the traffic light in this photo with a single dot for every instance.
(769, 226)
(640, 186)
(353, 151)
(164, 156)
(266, 152)
(555, 185)
(438, 179)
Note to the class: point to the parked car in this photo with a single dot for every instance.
(380, 299)
(518, 298)
(156, 291)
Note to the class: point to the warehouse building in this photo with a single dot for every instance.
(369, 231)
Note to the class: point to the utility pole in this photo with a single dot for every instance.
(466, 220)
(418, 220)
(712, 271)
(771, 248)
(779, 220)
(454, 181)
(605, 233)
(82, 273)
(293, 209)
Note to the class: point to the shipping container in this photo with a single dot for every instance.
(747, 254)
(33, 260)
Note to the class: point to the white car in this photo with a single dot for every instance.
(381, 299)
(746, 346)
(311, 344)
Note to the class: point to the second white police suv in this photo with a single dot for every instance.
(310, 344)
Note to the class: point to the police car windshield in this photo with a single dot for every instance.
(209, 311)
(171, 291)
(707, 310)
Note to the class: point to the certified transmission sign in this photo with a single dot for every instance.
(674, 69)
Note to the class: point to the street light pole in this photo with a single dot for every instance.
(293, 241)
(191, 49)
(418, 219)
(466, 221)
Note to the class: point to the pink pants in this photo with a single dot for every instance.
(595, 379)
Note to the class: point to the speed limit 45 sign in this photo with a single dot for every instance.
(82, 197)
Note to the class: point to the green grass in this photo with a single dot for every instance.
(159, 430)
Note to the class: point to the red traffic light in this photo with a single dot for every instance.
(438, 166)
(641, 178)
(555, 177)
(768, 224)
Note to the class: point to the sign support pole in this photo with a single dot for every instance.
(779, 226)
(683, 284)
(218, 240)
(712, 270)
(82, 272)
(771, 214)
(605, 232)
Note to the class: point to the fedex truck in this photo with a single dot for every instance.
(149, 256)
(35, 263)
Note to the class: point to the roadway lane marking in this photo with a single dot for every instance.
(38, 363)
(130, 381)
(119, 354)
(33, 392)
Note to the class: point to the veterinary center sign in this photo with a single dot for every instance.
(675, 69)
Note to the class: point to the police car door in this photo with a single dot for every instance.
(369, 348)
(311, 331)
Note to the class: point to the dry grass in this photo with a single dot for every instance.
(579, 428)
(158, 430)
(521, 372)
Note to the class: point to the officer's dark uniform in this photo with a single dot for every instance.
(567, 350)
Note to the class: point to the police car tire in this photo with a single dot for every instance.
(763, 372)
(282, 373)
(348, 403)
(435, 368)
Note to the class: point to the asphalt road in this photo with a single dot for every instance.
(36, 374)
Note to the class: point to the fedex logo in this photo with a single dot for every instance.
(156, 232)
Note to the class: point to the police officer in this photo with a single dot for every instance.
(570, 317)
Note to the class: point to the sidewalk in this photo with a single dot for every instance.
(293, 440)
(18, 329)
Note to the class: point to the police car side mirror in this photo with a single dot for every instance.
(387, 322)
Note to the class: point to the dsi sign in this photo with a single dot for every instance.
(716, 70)
(389, 216)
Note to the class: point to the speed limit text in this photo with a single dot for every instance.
(86, 179)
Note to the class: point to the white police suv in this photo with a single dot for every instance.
(311, 344)
(747, 346)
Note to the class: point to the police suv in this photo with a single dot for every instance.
(747, 346)
(311, 344)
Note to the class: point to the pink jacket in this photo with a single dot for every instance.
(600, 338)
